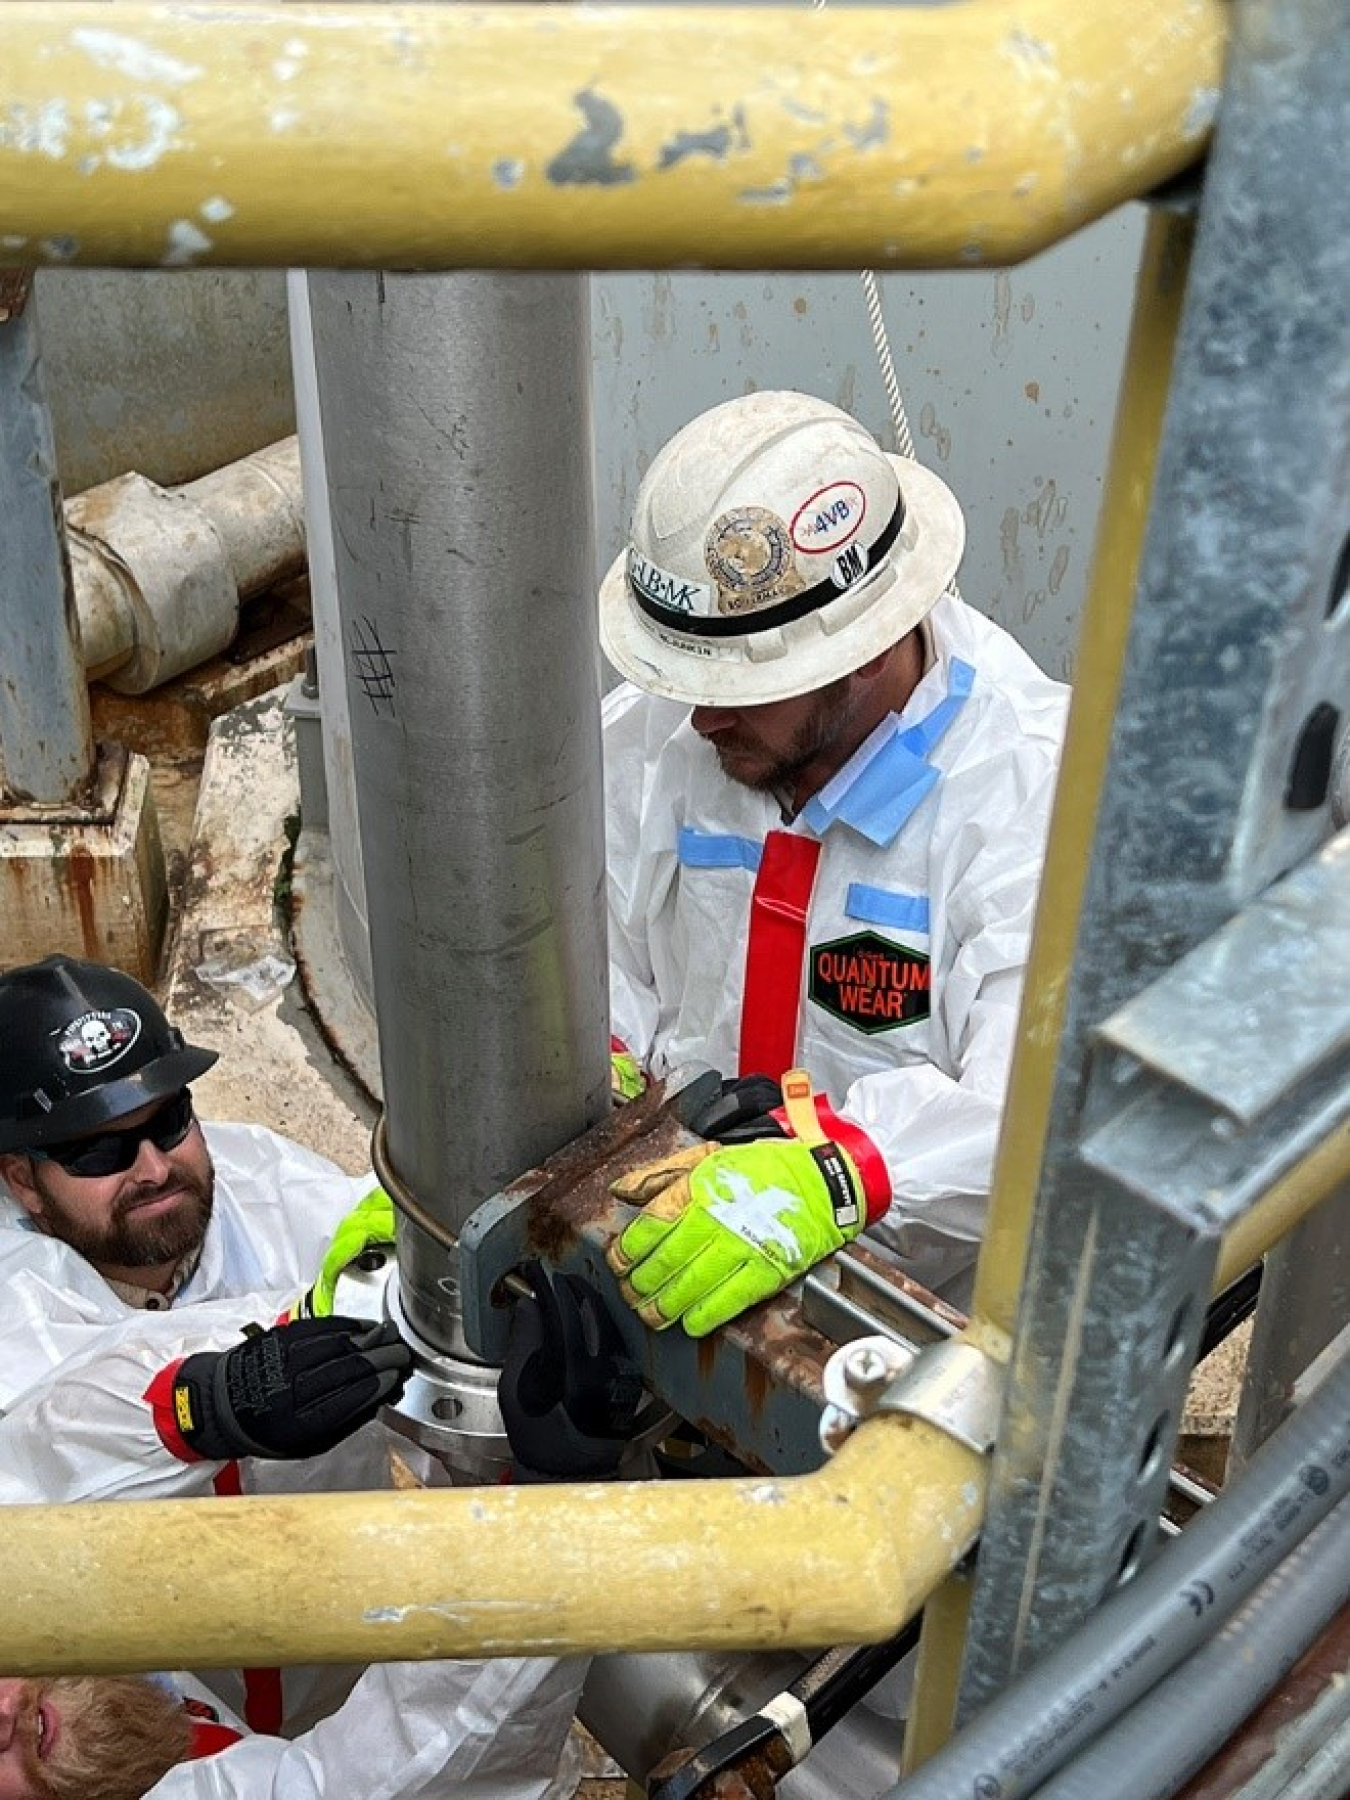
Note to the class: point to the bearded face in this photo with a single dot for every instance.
(81, 1737)
(770, 748)
(148, 1216)
(141, 1225)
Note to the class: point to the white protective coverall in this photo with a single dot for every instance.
(901, 1000)
(409, 1731)
(75, 1362)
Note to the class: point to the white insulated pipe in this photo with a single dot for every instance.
(159, 573)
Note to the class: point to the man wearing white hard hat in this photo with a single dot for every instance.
(828, 783)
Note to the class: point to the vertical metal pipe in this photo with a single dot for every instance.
(46, 739)
(1305, 1301)
(457, 433)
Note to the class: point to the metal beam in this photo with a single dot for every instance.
(1217, 784)
(46, 737)
(589, 137)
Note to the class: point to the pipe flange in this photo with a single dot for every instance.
(448, 1405)
(953, 1385)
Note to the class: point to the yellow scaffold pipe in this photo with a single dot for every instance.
(843, 1555)
(545, 136)
(1159, 294)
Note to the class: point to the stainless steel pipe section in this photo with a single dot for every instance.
(456, 428)
(46, 739)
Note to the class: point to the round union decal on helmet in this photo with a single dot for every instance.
(749, 556)
(829, 518)
(97, 1039)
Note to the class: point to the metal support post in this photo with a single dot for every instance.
(46, 740)
(1305, 1302)
(455, 427)
(1218, 782)
(1129, 481)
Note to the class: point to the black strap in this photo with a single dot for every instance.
(768, 618)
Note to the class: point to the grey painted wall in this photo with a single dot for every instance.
(170, 374)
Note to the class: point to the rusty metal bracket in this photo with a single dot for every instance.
(15, 287)
(756, 1387)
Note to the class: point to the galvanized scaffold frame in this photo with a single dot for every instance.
(1147, 1156)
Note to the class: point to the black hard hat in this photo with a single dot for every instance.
(80, 1046)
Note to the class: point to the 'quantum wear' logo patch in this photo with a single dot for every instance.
(869, 982)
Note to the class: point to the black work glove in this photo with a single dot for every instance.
(569, 1391)
(739, 1113)
(292, 1391)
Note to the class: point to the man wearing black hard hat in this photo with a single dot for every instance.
(98, 1142)
(145, 1261)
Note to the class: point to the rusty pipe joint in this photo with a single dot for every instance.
(159, 573)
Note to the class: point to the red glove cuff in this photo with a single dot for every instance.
(208, 1736)
(867, 1159)
(159, 1394)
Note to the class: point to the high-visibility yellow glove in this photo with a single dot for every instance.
(370, 1224)
(626, 1080)
(722, 1228)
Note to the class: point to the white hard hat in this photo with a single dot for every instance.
(775, 548)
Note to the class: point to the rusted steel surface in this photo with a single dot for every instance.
(570, 1192)
(756, 1387)
(15, 287)
(1323, 1666)
(890, 1271)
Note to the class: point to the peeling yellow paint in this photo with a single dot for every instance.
(642, 137)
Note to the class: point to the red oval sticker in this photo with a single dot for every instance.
(829, 518)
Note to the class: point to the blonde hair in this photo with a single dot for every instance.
(119, 1734)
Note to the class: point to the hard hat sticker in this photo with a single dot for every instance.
(829, 518)
(849, 566)
(97, 1039)
(748, 553)
(869, 982)
(672, 593)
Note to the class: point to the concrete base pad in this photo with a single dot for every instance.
(274, 1068)
(87, 881)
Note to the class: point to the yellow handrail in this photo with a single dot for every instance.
(588, 137)
(844, 1555)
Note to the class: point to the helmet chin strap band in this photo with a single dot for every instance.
(768, 618)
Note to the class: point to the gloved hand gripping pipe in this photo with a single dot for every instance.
(1144, 1630)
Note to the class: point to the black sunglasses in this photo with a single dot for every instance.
(113, 1152)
